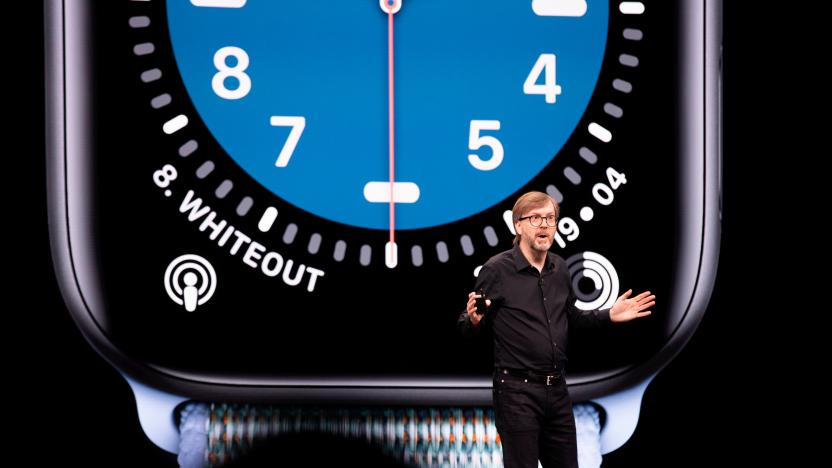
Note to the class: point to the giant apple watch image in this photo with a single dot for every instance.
(285, 203)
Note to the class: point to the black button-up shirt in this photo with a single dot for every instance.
(530, 312)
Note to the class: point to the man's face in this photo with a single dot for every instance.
(538, 238)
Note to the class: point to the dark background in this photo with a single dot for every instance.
(721, 401)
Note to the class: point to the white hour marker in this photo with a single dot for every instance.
(219, 3)
(559, 7)
(175, 124)
(600, 132)
(403, 192)
(391, 254)
(267, 220)
(631, 8)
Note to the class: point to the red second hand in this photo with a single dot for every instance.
(390, 98)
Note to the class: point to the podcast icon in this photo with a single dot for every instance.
(190, 281)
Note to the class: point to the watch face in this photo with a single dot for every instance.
(320, 69)
(266, 198)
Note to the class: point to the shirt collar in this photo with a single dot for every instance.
(520, 261)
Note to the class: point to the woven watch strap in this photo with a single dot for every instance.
(214, 434)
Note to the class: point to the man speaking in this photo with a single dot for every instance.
(530, 306)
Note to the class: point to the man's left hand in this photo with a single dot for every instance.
(627, 308)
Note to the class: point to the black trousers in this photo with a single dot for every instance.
(535, 421)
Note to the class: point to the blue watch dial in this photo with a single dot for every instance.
(486, 94)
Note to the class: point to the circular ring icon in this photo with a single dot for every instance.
(600, 271)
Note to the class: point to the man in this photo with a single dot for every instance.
(530, 306)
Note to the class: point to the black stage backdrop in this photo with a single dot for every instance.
(70, 407)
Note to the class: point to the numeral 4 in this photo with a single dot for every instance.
(545, 66)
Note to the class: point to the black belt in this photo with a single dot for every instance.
(544, 378)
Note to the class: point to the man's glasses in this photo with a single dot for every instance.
(535, 220)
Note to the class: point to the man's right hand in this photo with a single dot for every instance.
(473, 314)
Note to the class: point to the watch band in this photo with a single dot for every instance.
(588, 432)
(214, 434)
